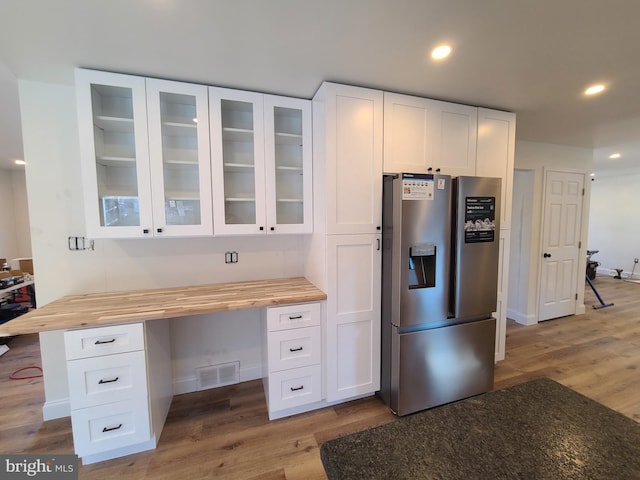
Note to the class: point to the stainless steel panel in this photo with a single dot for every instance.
(422, 227)
(475, 272)
(441, 365)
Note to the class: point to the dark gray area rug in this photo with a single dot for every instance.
(535, 430)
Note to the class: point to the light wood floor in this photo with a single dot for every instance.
(225, 433)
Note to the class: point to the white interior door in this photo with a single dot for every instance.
(563, 202)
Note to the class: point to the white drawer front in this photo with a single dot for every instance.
(298, 347)
(92, 342)
(292, 388)
(293, 316)
(115, 425)
(100, 380)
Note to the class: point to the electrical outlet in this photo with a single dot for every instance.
(635, 260)
(231, 257)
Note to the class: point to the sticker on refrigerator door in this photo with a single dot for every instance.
(417, 186)
(479, 219)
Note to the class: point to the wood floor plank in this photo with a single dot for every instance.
(225, 433)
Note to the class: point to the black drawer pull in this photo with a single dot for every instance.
(108, 381)
(105, 429)
(298, 349)
(293, 389)
(101, 342)
(295, 317)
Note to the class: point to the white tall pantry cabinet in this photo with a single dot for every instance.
(345, 252)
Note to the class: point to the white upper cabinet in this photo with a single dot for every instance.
(261, 169)
(112, 124)
(348, 133)
(423, 135)
(288, 164)
(496, 150)
(237, 150)
(180, 160)
(145, 156)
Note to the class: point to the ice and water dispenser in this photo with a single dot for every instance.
(422, 265)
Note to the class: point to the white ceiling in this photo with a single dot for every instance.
(533, 57)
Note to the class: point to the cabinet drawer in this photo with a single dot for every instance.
(293, 316)
(295, 387)
(298, 347)
(100, 380)
(93, 342)
(106, 427)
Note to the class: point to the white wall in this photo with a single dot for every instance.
(614, 224)
(524, 257)
(55, 196)
(15, 238)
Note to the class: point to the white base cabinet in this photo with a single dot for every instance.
(293, 376)
(119, 388)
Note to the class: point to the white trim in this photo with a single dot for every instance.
(56, 409)
(522, 318)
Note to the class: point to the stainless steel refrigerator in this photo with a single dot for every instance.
(439, 287)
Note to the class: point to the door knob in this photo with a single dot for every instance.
(547, 255)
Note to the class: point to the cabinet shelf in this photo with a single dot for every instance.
(289, 200)
(114, 124)
(283, 138)
(239, 167)
(240, 199)
(237, 134)
(112, 161)
(289, 170)
(179, 128)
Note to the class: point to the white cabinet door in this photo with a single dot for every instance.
(348, 125)
(288, 164)
(496, 147)
(423, 136)
(409, 134)
(237, 170)
(178, 115)
(455, 133)
(353, 316)
(112, 125)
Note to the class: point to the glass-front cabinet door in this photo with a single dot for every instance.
(288, 164)
(179, 158)
(112, 125)
(237, 150)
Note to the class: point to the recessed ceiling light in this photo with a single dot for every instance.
(19, 162)
(594, 89)
(440, 52)
(614, 155)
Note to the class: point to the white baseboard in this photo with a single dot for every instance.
(190, 384)
(522, 318)
(56, 409)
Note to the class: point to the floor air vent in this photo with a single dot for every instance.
(213, 376)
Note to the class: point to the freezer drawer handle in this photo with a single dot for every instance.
(109, 429)
(102, 342)
(298, 349)
(295, 317)
(293, 389)
(108, 381)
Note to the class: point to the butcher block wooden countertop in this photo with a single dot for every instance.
(97, 309)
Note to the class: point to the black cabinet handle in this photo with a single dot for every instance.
(547, 255)
(159, 230)
(293, 389)
(261, 229)
(273, 228)
(298, 349)
(145, 230)
(102, 342)
(295, 317)
(108, 381)
(110, 429)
